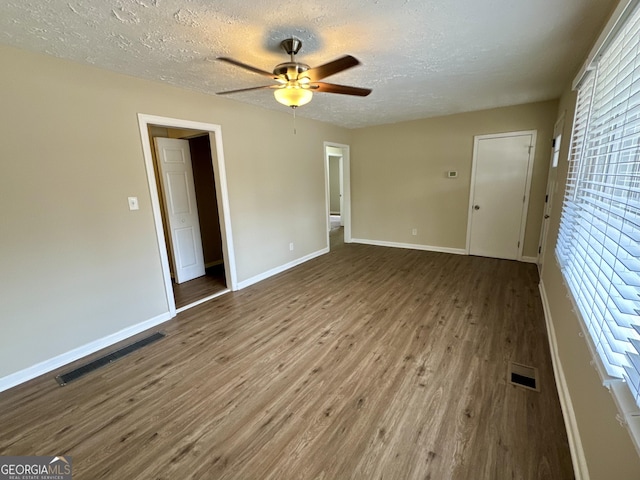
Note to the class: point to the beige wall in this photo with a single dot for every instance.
(398, 175)
(76, 264)
(608, 447)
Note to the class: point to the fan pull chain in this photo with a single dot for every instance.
(295, 132)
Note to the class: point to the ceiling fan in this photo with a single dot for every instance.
(296, 81)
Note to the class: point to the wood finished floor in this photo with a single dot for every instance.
(365, 363)
(188, 292)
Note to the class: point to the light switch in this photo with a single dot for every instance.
(133, 203)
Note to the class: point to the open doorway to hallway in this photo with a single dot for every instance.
(182, 244)
(337, 164)
(186, 187)
(336, 221)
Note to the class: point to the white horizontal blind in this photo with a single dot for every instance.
(599, 239)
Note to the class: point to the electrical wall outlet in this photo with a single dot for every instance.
(414, 231)
(291, 247)
(133, 203)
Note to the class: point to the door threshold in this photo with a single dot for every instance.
(202, 300)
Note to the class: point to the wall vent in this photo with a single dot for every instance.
(87, 368)
(523, 376)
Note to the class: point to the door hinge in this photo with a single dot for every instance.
(553, 143)
(524, 197)
(539, 250)
(546, 198)
(518, 244)
(530, 147)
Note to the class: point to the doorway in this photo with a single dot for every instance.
(202, 204)
(499, 197)
(186, 187)
(338, 193)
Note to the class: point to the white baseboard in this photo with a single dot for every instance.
(411, 246)
(281, 268)
(429, 248)
(77, 353)
(580, 469)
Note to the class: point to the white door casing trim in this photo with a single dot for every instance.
(341, 175)
(224, 211)
(144, 121)
(525, 204)
(558, 131)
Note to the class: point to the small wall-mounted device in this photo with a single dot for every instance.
(452, 174)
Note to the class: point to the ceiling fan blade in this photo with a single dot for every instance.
(343, 89)
(331, 68)
(246, 89)
(247, 67)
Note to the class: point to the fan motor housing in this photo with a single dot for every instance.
(290, 70)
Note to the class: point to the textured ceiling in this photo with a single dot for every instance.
(422, 58)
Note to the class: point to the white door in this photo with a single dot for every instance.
(176, 174)
(500, 183)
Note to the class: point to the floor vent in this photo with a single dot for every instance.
(524, 376)
(79, 372)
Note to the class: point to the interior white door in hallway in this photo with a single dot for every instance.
(176, 172)
(500, 183)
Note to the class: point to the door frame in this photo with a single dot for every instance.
(222, 197)
(527, 190)
(558, 131)
(341, 181)
(346, 188)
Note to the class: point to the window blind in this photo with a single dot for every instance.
(599, 238)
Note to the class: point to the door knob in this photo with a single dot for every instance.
(476, 207)
(546, 216)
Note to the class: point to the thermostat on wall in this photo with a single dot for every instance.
(452, 174)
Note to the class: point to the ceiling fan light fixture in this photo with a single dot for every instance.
(296, 81)
(293, 95)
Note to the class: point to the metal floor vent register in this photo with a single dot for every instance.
(523, 376)
(79, 372)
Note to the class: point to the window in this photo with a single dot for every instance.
(556, 150)
(599, 239)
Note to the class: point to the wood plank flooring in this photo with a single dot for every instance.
(188, 292)
(365, 363)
